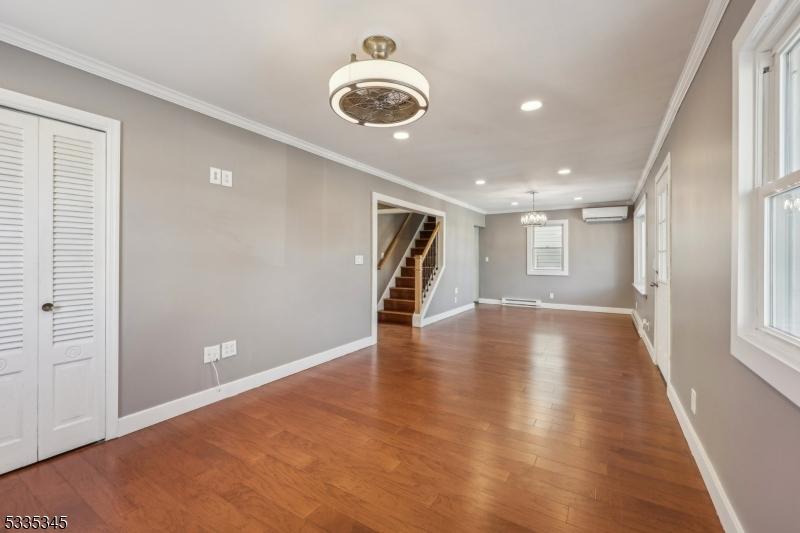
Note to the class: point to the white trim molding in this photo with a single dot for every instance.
(447, 314)
(727, 514)
(708, 27)
(165, 411)
(112, 129)
(64, 55)
(637, 322)
(566, 307)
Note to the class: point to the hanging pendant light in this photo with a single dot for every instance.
(533, 217)
(379, 92)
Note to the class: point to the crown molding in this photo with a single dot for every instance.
(67, 56)
(564, 207)
(708, 27)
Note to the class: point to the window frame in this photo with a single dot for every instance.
(564, 246)
(640, 247)
(759, 128)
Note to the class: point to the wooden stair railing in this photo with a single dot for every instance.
(393, 244)
(425, 265)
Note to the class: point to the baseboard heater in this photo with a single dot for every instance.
(521, 302)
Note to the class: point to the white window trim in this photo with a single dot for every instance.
(538, 272)
(772, 356)
(640, 277)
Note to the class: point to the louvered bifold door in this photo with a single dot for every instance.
(71, 278)
(18, 313)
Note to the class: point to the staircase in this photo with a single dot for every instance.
(404, 299)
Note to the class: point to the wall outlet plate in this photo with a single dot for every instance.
(214, 176)
(211, 353)
(227, 178)
(456, 290)
(228, 349)
(694, 402)
(552, 296)
(359, 259)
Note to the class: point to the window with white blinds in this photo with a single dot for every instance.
(547, 249)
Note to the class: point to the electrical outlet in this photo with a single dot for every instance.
(359, 259)
(487, 259)
(552, 296)
(694, 402)
(456, 290)
(455, 299)
(211, 353)
(214, 176)
(229, 349)
(227, 178)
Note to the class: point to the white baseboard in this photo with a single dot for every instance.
(159, 413)
(637, 321)
(725, 511)
(447, 314)
(568, 307)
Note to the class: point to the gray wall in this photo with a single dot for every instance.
(388, 225)
(600, 262)
(750, 431)
(268, 262)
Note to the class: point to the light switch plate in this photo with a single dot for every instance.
(694, 402)
(214, 175)
(211, 353)
(456, 290)
(359, 259)
(227, 178)
(228, 349)
(487, 259)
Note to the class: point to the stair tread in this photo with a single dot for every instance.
(396, 312)
(399, 299)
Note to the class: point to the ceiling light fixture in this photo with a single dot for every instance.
(401, 135)
(514, 203)
(531, 105)
(533, 217)
(564, 171)
(480, 182)
(578, 198)
(378, 92)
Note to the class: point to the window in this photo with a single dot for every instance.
(548, 249)
(640, 246)
(765, 317)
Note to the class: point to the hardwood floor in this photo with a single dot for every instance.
(500, 419)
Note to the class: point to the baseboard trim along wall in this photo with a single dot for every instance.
(447, 314)
(568, 307)
(165, 411)
(725, 511)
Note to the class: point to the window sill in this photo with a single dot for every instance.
(641, 289)
(548, 273)
(771, 359)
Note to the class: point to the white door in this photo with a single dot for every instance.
(18, 310)
(663, 325)
(71, 286)
(52, 288)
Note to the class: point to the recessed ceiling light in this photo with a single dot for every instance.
(564, 171)
(578, 198)
(514, 203)
(531, 105)
(480, 182)
(401, 135)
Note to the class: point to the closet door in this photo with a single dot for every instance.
(18, 311)
(72, 164)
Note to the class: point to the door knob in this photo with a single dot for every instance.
(653, 284)
(48, 307)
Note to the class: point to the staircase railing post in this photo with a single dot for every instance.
(418, 283)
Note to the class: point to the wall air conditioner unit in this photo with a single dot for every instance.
(605, 214)
(521, 302)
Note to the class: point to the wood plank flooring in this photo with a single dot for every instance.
(500, 419)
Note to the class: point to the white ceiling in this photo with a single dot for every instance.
(605, 71)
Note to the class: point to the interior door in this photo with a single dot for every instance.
(663, 325)
(72, 287)
(18, 312)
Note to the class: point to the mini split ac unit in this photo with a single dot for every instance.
(605, 214)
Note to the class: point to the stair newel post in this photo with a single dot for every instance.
(418, 283)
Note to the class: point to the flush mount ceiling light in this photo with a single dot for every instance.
(514, 203)
(531, 105)
(533, 217)
(564, 171)
(578, 198)
(480, 182)
(401, 135)
(378, 92)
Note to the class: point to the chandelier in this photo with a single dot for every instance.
(378, 92)
(533, 217)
